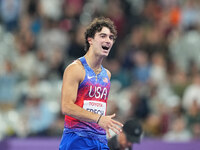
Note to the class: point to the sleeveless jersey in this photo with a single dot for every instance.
(92, 96)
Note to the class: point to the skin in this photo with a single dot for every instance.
(74, 74)
(123, 142)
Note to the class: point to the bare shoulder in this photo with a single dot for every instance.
(109, 73)
(75, 65)
(75, 70)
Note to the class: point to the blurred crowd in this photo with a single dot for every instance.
(154, 63)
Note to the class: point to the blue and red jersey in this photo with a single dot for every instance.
(92, 96)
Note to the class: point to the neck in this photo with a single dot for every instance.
(93, 61)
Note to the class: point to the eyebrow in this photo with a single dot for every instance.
(102, 34)
(106, 34)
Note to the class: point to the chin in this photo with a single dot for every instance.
(105, 53)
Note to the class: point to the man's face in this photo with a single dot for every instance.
(102, 42)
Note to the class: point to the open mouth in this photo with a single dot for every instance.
(105, 47)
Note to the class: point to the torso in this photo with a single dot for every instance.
(92, 96)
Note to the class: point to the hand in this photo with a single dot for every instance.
(107, 123)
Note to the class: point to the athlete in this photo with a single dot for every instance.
(85, 89)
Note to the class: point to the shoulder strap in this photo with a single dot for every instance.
(83, 61)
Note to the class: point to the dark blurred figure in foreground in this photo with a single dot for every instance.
(132, 132)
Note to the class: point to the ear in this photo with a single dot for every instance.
(90, 40)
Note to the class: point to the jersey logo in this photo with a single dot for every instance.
(90, 77)
(98, 92)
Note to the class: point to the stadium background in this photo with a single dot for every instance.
(154, 63)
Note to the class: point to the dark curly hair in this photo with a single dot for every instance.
(96, 26)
